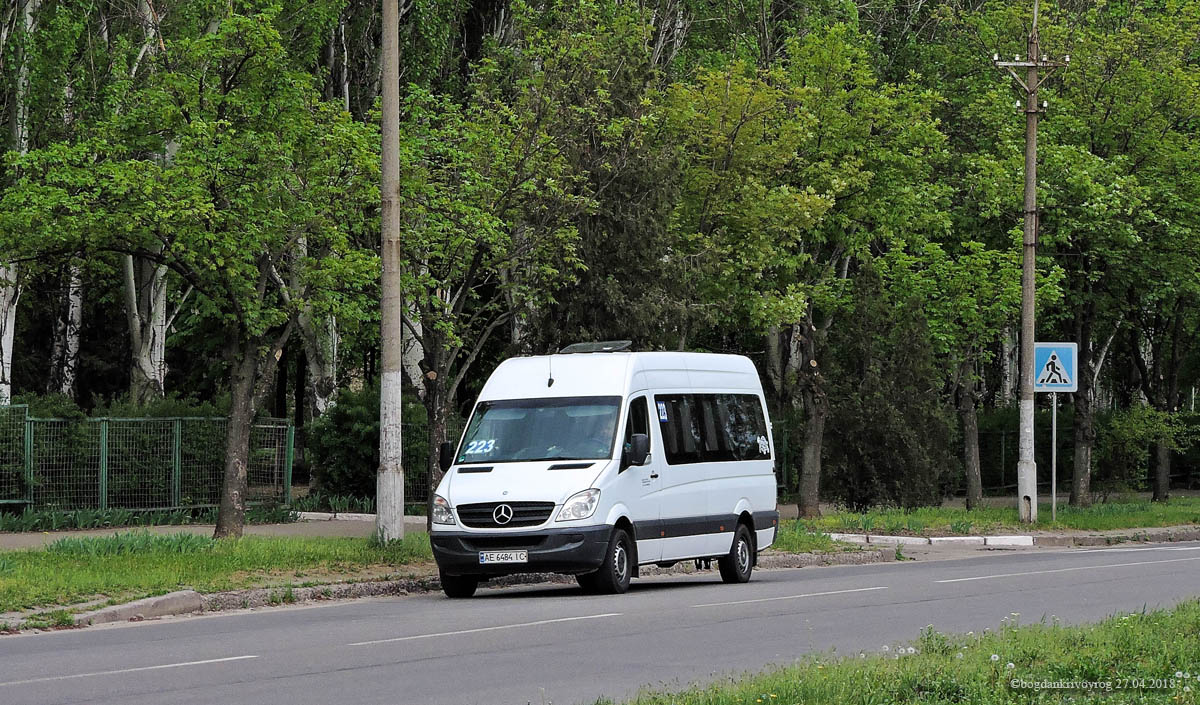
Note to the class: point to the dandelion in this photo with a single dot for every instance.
(1010, 666)
(1179, 674)
(958, 655)
(1187, 688)
(995, 658)
(885, 647)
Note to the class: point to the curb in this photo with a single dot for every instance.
(335, 516)
(181, 602)
(1142, 536)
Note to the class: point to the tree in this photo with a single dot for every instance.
(969, 297)
(793, 175)
(258, 164)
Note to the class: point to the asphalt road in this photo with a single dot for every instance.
(556, 645)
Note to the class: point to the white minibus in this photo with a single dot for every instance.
(595, 461)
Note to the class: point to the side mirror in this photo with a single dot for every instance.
(445, 456)
(639, 449)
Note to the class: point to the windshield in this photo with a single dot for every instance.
(569, 428)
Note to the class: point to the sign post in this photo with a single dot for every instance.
(1057, 371)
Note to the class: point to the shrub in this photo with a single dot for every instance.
(343, 445)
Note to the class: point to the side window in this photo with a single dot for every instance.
(711, 428)
(638, 421)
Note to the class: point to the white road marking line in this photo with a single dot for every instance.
(126, 670)
(485, 629)
(1065, 570)
(789, 597)
(1130, 550)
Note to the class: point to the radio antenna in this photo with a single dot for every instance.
(550, 369)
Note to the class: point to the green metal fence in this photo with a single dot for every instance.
(133, 463)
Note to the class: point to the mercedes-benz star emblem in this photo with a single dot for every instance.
(502, 514)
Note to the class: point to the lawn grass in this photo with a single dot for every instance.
(1151, 657)
(139, 564)
(795, 537)
(950, 521)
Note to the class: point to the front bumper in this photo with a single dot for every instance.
(573, 550)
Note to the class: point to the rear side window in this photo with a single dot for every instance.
(709, 428)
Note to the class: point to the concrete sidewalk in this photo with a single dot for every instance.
(358, 528)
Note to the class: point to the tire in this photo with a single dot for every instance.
(739, 564)
(459, 586)
(617, 569)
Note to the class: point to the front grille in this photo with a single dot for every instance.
(480, 516)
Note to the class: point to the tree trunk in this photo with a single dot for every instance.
(807, 373)
(1162, 472)
(436, 412)
(231, 515)
(65, 355)
(281, 388)
(413, 353)
(1007, 375)
(970, 431)
(321, 338)
(816, 408)
(1085, 439)
(146, 314)
(10, 294)
(10, 290)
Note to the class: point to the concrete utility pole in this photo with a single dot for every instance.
(389, 484)
(1026, 466)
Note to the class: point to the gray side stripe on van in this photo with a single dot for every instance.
(693, 526)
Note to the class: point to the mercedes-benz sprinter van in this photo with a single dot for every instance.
(595, 463)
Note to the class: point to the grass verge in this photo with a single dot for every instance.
(949, 521)
(1145, 657)
(139, 564)
(795, 537)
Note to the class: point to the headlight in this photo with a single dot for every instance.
(441, 511)
(580, 506)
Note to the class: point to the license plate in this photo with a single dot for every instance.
(504, 556)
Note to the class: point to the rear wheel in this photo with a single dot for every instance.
(617, 569)
(457, 586)
(737, 566)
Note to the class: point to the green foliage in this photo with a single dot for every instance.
(1145, 646)
(795, 537)
(131, 542)
(893, 440)
(939, 521)
(343, 447)
(1125, 441)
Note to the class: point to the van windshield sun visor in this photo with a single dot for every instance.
(531, 430)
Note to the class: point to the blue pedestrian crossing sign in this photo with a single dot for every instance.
(1055, 367)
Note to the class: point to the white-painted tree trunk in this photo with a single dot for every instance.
(10, 288)
(10, 294)
(146, 313)
(320, 337)
(412, 352)
(65, 354)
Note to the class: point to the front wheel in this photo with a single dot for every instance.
(617, 569)
(457, 586)
(737, 566)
